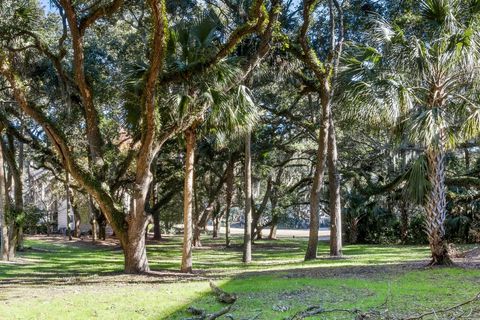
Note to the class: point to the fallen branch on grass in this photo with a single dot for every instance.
(316, 310)
(435, 312)
(203, 315)
(223, 296)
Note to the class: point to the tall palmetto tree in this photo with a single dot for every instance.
(424, 80)
(228, 106)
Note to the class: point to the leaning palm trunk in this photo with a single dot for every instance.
(436, 207)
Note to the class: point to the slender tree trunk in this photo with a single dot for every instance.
(273, 202)
(257, 212)
(4, 252)
(216, 225)
(93, 218)
(157, 233)
(67, 194)
(334, 191)
(436, 207)
(19, 204)
(404, 221)
(188, 201)
(102, 226)
(317, 184)
(228, 197)
(247, 238)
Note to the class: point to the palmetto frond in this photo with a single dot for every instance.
(426, 80)
(440, 12)
(417, 184)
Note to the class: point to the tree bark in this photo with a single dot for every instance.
(135, 250)
(157, 233)
(257, 213)
(404, 221)
(436, 207)
(68, 200)
(4, 245)
(216, 225)
(15, 173)
(190, 138)
(93, 218)
(228, 197)
(317, 184)
(334, 191)
(247, 236)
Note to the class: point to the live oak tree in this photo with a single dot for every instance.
(154, 128)
(322, 63)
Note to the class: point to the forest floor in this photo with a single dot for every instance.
(60, 279)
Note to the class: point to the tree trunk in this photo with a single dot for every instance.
(67, 194)
(102, 227)
(93, 218)
(258, 232)
(247, 237)
(4, 252)
(257, 213)
(353, 232)
(157, 233)
(334, 190)
(216, 225)
(404, 221)
(188, 201)
(436, 206)
(228, 197)
(15, 173)
(317, 184)
(273, 229)
(135, 251)
(76, 214)
(19, 204)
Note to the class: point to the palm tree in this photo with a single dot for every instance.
(424, 81)
(221, 108)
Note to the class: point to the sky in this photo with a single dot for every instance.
(46, 4)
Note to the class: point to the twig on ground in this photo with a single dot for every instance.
(315, 310)
(435, 312)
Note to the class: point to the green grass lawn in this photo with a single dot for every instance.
(60, 280)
